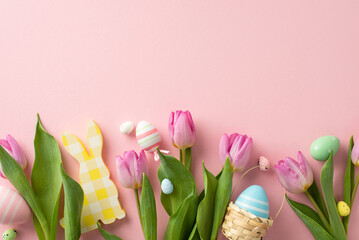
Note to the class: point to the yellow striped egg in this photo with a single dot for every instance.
(147, 136)
(13, 208)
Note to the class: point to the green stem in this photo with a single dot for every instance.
(138, 206)
(182, 156)
(346, 219)
(320, 213)
(354, 190)
(188, 158)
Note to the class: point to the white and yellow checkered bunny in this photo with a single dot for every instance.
(101, 195)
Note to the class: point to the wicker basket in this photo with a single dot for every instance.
(240, 224)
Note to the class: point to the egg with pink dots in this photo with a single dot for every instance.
(263, 164)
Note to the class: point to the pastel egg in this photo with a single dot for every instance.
(343, 208)
(127, 127)
(147, 136)
(263, 163)
(254, 200)
(13, 208)
(9, 234)
(321, 147)
(166, 186)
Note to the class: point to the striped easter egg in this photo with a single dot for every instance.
(13, 208)
(254, 200)
(147, 136)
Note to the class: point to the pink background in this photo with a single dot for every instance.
(283, 72)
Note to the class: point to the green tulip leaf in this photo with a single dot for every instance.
(17, 178)
(148, 210)
(194, 234)
(181, 222)
(311, 219)
(223, 195)
(349, 182)
(206, 207)
(46, 179)
(107, 235)
(326, 179)
(182, 180)
(313, 190)
(74, 199)
(182, 203)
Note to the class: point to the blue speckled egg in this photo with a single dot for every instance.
(166, 186)
(254, 200)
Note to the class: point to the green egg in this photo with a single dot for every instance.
(321, 148)
(9, 234)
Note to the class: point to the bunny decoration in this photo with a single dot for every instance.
(101, 195)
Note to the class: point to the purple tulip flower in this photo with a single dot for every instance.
(238, 148)
(130, 169)
(294, 176)
(182, 130)
(13, 148)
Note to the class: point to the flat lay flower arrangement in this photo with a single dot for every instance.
(193, 214)
(330, 218)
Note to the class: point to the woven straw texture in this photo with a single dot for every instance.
(240, 224)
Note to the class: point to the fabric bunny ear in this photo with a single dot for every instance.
(75, 147)
(94, 139)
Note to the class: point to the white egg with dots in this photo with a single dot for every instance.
(127, 127)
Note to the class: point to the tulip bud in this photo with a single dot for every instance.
(130, 169)
(182, 130)
(13, 148)
(355, 153)
(237, 148)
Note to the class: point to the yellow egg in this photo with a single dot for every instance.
(343, 208)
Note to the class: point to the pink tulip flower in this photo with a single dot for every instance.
(13, 148)
(182, 130)
(130, 169)
(238, 148)
(294, 176)
(355, 153)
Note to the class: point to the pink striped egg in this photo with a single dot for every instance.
(13, 208)
(147, 136)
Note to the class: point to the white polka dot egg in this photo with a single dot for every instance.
(127, 127)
